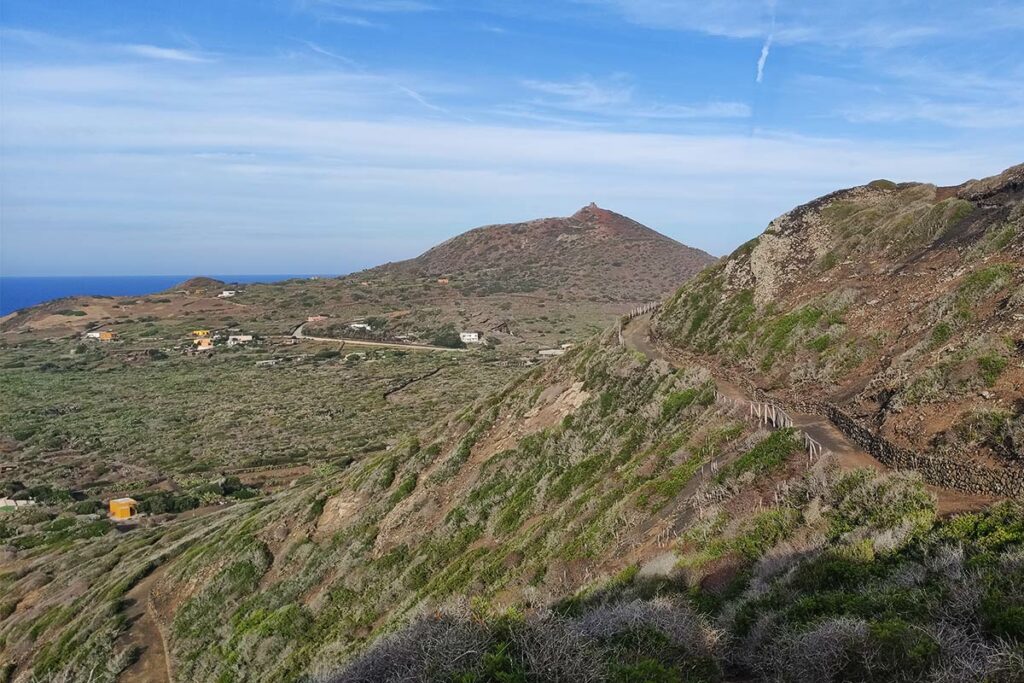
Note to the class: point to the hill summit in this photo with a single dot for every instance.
(594, 254)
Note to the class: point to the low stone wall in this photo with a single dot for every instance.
(945, 471)
(940, 470)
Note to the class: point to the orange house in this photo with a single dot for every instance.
(107, 336)
(123, 508)
(203, 343)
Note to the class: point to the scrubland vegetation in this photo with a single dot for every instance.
(603, 517)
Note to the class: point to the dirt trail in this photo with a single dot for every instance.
(153, 664)
(849, 455)
(299, 333)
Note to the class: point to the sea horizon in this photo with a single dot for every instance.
(21, 291)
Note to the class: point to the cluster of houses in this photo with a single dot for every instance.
(202, 340)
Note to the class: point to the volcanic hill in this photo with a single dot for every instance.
(595, 254)
(543, 281)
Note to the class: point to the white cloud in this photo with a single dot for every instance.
(379, 6)
(835, 23)
(316, 161)
(210, 164)
(166, 53)
(764, 57)
(616, 99)
(584, 93)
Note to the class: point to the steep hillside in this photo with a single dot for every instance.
(900, 307)
(594, 254)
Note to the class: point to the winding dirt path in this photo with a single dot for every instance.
(636, 336)
(153, 664)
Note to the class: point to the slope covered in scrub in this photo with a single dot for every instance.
(901, 305)
(850, 577)
(576, 470)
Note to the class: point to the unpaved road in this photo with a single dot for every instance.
(636, 336)
(153, 665)
(298, 333)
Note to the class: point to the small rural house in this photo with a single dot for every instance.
(360, 326)
(236, 339)
(200, 333)
(471, 337)
(123, 508)
(443, 281)
(92, 335)
(106, 336)
(547, 353)
(203, 344)
(319, 318)
(270, 362)
(227, 294)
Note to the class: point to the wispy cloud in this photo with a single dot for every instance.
(583, 93)
(165, 53)
(328, 53)
(615, 98)
(378, 6)
(767, 46)
(764, 57)
(357, 12)
(877, 24)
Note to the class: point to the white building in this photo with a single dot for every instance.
(227, 294)
(360, 326)
(551, 352)
(471, 337)
(236, 339)
(9, 503)
(92, 335)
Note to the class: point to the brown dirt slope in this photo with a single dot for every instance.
(595, 253)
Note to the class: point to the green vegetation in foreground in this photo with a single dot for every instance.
(851, 578)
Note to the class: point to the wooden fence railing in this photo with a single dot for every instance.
(772, 415)
(642, 310)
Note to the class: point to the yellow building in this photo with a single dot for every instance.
(107, 336)
(200, 333)
(123, 508)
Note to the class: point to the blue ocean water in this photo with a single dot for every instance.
(19, 292)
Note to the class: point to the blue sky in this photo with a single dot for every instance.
(236, 136)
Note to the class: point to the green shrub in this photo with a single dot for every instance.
(991, 366)
(765, 457)
(941, 333)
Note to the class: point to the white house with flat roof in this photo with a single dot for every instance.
(471, 337)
